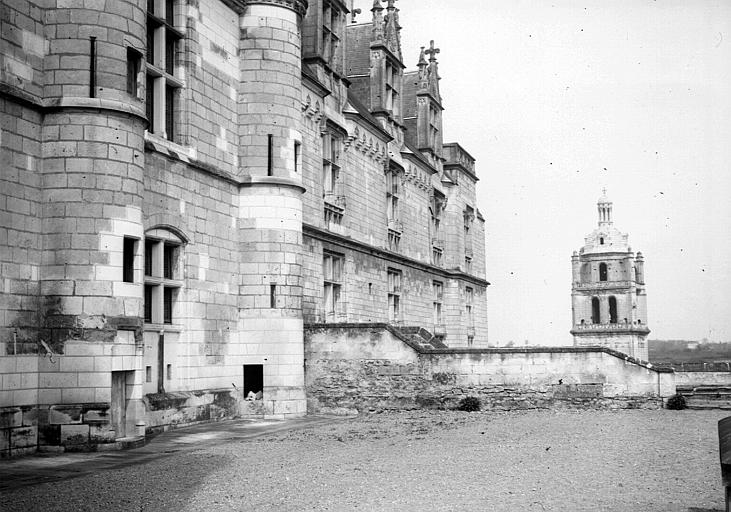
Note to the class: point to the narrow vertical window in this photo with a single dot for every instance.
(168, 294)
(148, 303)
(332, 269)
(297, 155)
(170, 113)
(169, 372)
(394, 295)
(595, 318)
(270, 155)
(603, 272)
(272, 296)
(128, 259)
(169, 251)
(134, 65)
(612, 310)
(148, 373)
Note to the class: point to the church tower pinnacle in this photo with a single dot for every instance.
(609, 301)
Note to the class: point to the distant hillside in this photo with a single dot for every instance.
(684, 351)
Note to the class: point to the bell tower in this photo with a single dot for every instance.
(608, 296)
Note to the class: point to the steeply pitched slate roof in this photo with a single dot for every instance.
(408, 95)
(358, 49)
(408, 145)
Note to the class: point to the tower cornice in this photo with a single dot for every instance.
(298, 6)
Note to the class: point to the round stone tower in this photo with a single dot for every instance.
(270, 213)
(93, 161)
(608, 295)
(92, 182)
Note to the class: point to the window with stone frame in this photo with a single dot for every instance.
(393, 193)
(393, 89)
(438, 297)
(162, 86)
(394, 295)
(469, 218)
(163, 276)
(436, 209)
(332, 185)
(434, 123)
(469, 300)
(332, 26)
(332, 270)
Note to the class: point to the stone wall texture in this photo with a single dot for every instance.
(374, 368)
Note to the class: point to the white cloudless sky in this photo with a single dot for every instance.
(558, 99)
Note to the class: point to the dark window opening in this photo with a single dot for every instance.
(612, 310)
(134, 64)
(601, 241)
(171, 40)
(270, 155)
(148, 373)
(169, 261)
(170, 112)
(150, 102)
(148, 258)
(603, 272)
(167, 315)
(170, 11)
(148, 304)
(272, 296)
(297, 155)
(128, 260)
(169, 372)
(595, 319)
(253, 379)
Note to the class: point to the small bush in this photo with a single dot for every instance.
(676, 403)
(469, 404)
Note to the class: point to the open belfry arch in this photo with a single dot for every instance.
(608, 294)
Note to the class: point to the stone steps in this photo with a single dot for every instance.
(706, 397)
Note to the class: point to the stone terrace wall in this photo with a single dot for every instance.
(352, 368)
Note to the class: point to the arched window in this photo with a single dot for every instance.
(163, 274)
(603, 272)
(612, 310)
(595, 310)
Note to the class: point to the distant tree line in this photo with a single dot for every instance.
(684, 351)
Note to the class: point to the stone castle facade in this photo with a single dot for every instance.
(186, 185)
(608, 293)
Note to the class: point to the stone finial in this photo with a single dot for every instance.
(432, 52)
(356, 12)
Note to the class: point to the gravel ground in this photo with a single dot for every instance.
(426, 460)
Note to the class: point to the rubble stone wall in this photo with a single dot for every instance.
(374, 368)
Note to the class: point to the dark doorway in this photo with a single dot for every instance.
(612, 310)
(595, 310)
(253, 378)
(603, 272)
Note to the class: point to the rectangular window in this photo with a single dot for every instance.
(161, 288)
(469, 298)
(162, 45)
(148, 303)
(148, 258)
(169, 372)
(169, 253)
(438, 291)
(169, 295)
(331, 35)
(134, 65)
(128, 259)
(297, 155)
(148, 373)
(332, 270)
(394, 295)
(272, 296)
(170, 114)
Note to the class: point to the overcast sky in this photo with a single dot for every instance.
(558, 99)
